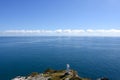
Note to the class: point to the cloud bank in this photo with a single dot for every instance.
(62, 32)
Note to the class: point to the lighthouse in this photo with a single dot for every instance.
(67, 68)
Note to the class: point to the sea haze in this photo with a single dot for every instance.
(92, 57)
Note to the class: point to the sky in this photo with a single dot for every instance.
(60, 17)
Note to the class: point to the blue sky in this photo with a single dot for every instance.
(59, 14)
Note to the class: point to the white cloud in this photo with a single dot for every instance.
(69, 31)
(58, 31)
(114, 31)
(103, 31)
(90, 30)
(76, 32)
(27, 31)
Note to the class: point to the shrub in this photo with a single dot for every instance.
(34, 74)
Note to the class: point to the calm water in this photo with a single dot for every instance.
(92, 57)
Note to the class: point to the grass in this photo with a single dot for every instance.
(60, 75)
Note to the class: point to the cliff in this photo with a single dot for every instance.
(51, 74)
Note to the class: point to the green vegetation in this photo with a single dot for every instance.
(62, 75)
(33, 74)
(50, 74)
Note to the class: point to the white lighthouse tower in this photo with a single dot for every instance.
(68, 68)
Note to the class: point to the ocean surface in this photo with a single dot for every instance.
(92, 57)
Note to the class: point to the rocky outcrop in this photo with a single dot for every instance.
(51, 74)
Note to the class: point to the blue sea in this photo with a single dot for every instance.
(91, 57)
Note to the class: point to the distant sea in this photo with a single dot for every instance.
(92, 57)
